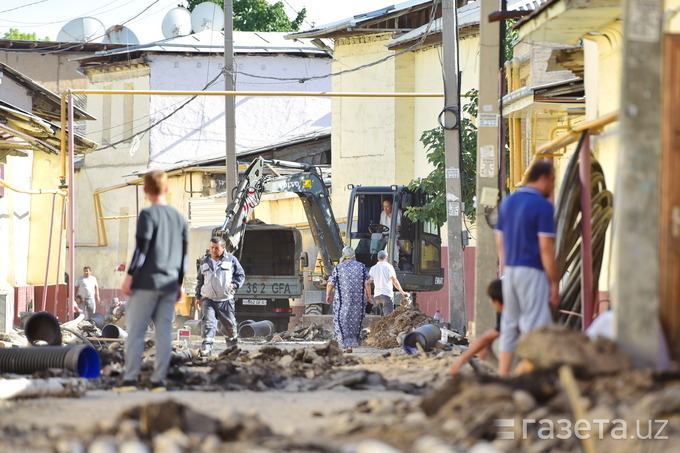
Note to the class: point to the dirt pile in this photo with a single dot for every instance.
(322, 367)
(385, 333)
(622, 409)
(545, 348)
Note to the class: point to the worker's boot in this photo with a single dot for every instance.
(206, 350)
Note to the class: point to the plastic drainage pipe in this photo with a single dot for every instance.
(426, 336)
(113, 331)
(97, 319)
(43, 326)
(84, 360)
(256, 329)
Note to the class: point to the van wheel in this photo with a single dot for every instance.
(313, 309)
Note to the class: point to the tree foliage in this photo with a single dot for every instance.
(14, 33)
(434, 184)
(258, 15)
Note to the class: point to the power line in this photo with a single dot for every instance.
(79, 44)
(22, 6)
(43, 24)
(184, 104)
(426, 33)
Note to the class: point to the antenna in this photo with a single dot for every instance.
(207, 16)
(119, 34)
(177, 22)
(82, 29)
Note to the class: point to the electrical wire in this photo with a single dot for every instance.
(22, 6)
(422, 39)
(156, 123)
(43, 24)
(80, 44)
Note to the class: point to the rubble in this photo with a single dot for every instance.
(385, 332)
(313, 332)
(432, 412)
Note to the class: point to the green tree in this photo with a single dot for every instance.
(258, 15)
(434, 184)
(14, 33)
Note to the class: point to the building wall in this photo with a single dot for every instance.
(107, 168)
(363, 134)
(603, 92)
(46, 211)
(54, 71)
(197, 130)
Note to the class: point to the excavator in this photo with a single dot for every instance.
(413, 247)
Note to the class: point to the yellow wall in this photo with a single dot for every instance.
(362, 134)
(603, 62)
(377, 141)
(107, 168)
(46, 171)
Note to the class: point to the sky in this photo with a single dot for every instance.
(46, 17)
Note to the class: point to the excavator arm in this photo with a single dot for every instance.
(307, 184)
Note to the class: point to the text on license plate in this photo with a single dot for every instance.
(254, 302)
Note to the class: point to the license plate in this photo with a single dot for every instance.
(254, 302)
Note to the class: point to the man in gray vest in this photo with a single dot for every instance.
(219, 276)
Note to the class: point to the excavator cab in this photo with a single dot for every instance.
(413, 247)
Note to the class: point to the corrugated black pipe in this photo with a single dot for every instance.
(43, 326)
(84, 360)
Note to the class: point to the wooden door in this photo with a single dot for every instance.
(669, 222)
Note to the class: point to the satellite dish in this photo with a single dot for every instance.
(119, 34)
(83, 29)
(207, 16)
(177, 22)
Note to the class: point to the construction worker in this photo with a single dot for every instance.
(219, 276)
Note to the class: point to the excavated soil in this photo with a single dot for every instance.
(387, 332)
(408, 403)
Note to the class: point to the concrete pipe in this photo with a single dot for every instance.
(256, 329)
(43, 326)
(426, 336)
(84, 360)
(113, 331)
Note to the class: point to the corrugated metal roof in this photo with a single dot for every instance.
(359, 19)
(298, 139)
(52, 99)
(23, 130)
(467, 15)
(213, 42)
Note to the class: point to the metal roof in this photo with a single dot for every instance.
(468, 15)
(52, 108)
(359, 19)
(213, 42)
(23, 130)
(318, 134)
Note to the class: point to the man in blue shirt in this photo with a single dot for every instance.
(525, 241)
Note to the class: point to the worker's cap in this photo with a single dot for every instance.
(348, 253)
(382, 255)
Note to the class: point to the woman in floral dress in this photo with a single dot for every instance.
(352, 284)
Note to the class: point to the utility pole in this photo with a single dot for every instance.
(488, 145)
(450, 119)
(230, 101)
(635, 264)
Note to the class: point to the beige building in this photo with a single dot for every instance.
(32, 197)
(549, 119)
(376, 141)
